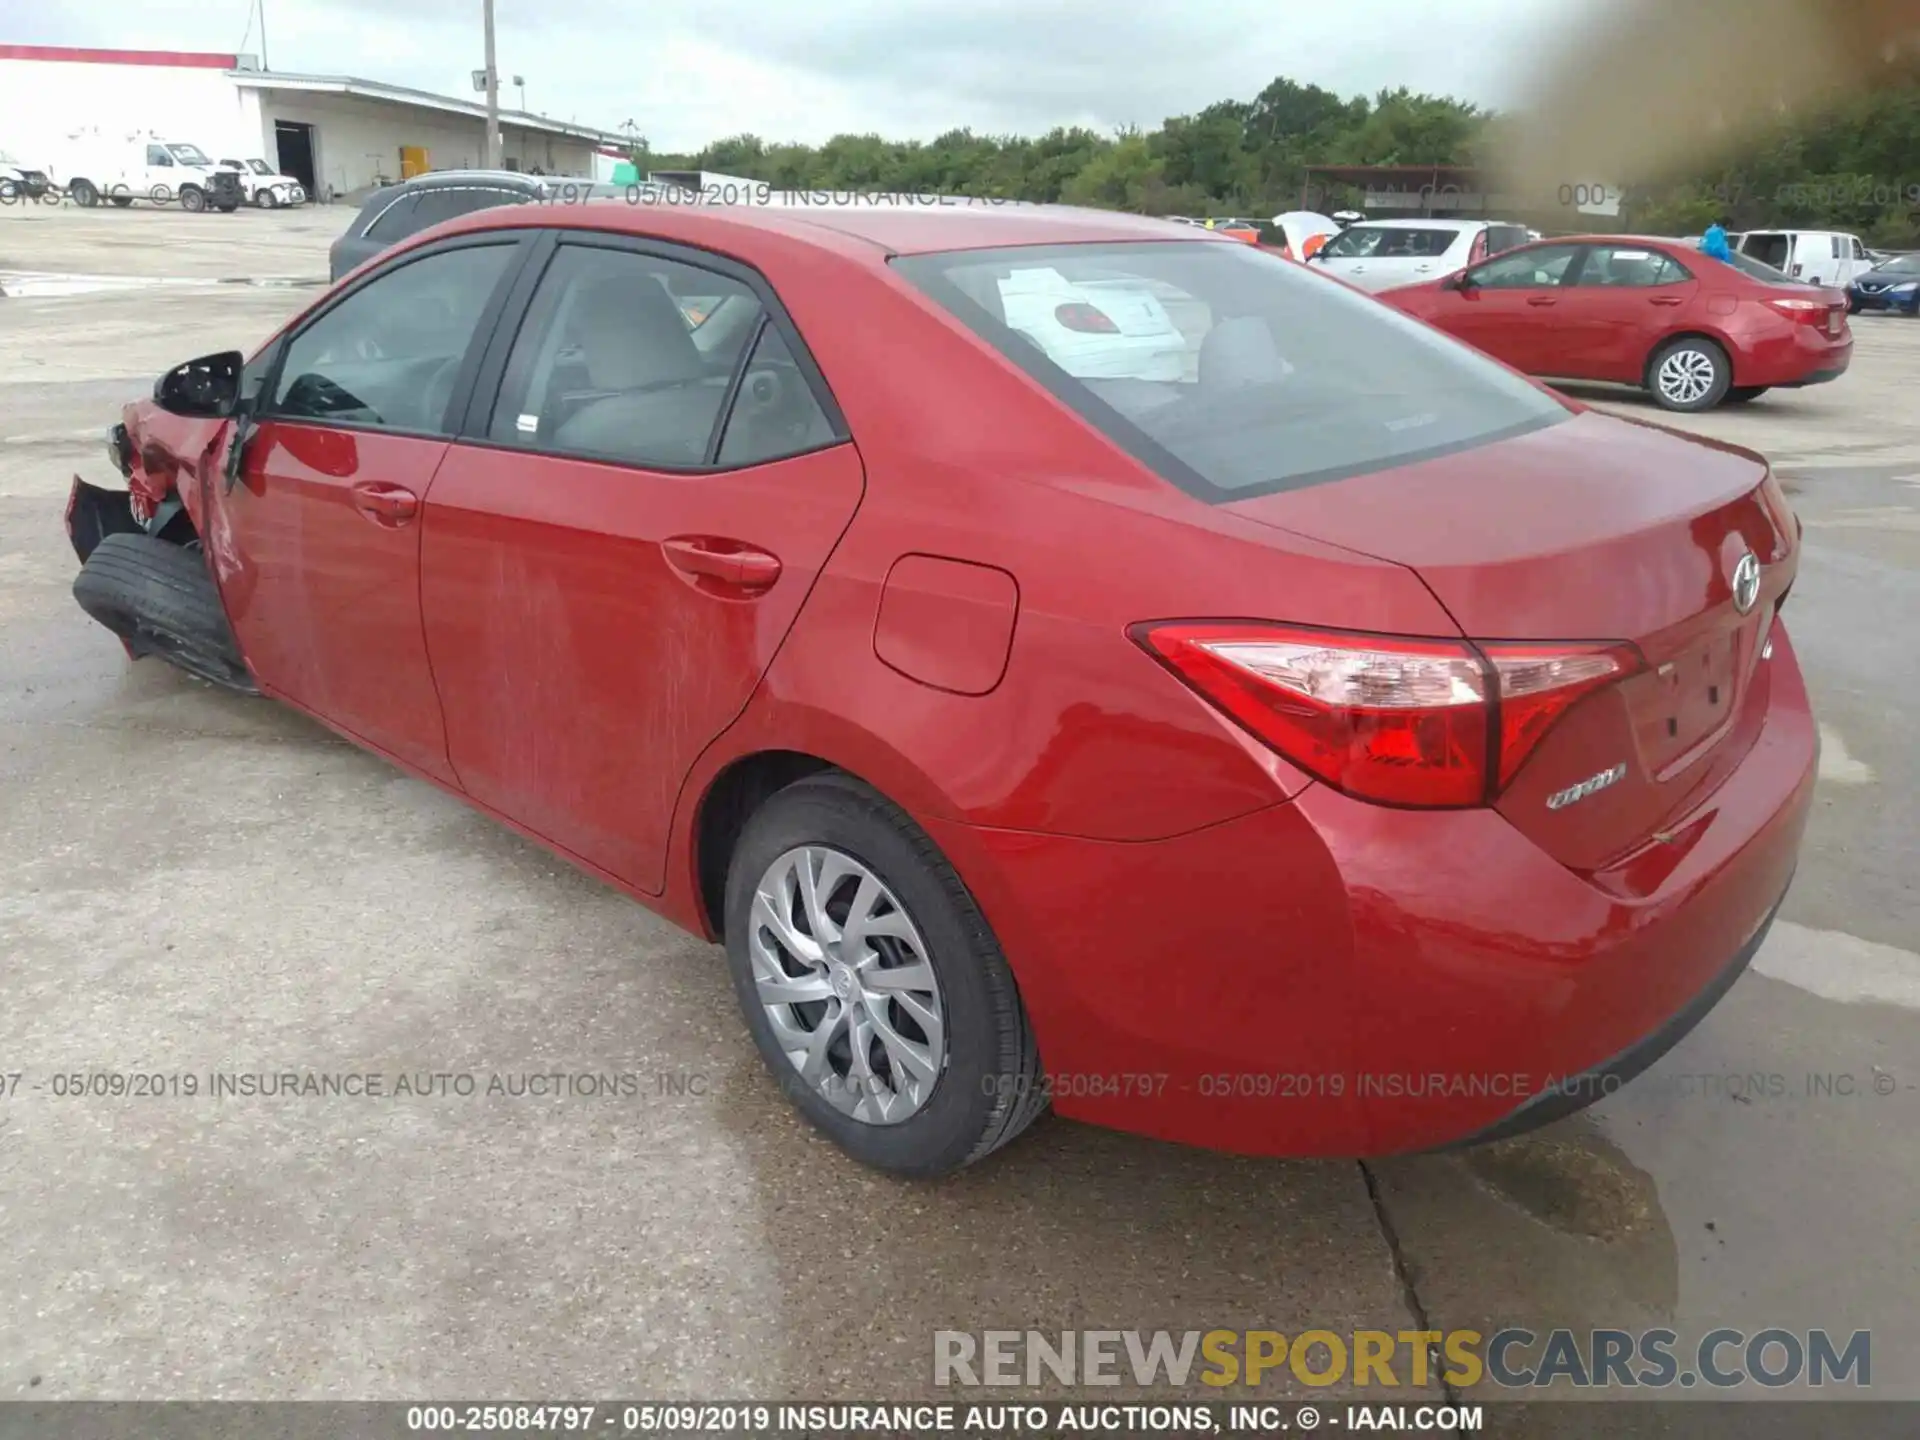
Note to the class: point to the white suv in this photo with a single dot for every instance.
(264, 186)
(1381, 254)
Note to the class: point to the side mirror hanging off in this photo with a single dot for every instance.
(207, 387)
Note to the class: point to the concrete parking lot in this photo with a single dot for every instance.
(195, 882)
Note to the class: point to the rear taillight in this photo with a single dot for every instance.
(1398, 721)
(1807, 312)
(1086, 319)
(1537, 684)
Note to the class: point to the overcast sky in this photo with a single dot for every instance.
(690, 71)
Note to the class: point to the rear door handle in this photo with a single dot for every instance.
(1666, 300)
(1543, 300)
(385, 504)
(728, 566)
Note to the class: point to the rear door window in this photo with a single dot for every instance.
(1631, 266)
(440, 204)
(1226, 369)
(606, 367)
(1382, 242)
(393, 222)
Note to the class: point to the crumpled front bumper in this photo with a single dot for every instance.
(94, 513)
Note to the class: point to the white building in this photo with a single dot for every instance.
(337, 135)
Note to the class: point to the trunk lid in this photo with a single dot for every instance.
(1593, 530)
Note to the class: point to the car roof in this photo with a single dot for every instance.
(902, 228)
(512, 178)
(1435, 222)
(1609, 238)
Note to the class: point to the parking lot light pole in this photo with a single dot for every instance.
(493, 95)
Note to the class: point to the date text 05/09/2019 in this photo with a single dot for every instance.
(628, 1418)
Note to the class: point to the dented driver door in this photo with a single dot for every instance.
(650, 481)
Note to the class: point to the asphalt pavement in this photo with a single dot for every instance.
(194, 884)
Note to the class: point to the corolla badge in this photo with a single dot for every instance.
(1746, 582)
(1560, 799)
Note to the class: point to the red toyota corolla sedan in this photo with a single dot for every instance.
(1324, 742)
(1692, 331)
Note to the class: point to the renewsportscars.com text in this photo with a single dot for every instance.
(1510, 1359)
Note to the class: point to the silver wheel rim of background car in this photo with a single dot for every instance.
(844, 978)
(1686, 376)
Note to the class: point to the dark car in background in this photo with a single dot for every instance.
(1893, 284)
(395, 212)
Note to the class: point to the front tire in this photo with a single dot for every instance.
(123, 201)
(1689, 375)
(1744, 394)
(159, 598)
(266, 200)
(872, 985)
(193, 198)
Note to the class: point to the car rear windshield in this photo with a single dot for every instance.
(1747, 265)
(1359, 242)
(1229, 371)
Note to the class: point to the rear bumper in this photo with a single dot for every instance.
(1818, 377)
(1331, 978)
(1792, 356)
(1576, 1092)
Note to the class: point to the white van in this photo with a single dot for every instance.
(1818, 257)
(161, 171)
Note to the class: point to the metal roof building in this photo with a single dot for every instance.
(337, 134)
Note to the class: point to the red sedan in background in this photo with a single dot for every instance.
(1334, 744)
(1654, 313)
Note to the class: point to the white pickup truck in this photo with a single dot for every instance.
(162, 172)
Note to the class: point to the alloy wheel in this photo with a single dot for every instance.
(844, 977)
(1686, 376)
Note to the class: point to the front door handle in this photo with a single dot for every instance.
(722, 566)
(1543, 300)
(385, 504)
(1665, 300)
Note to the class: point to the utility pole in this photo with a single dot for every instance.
(265, 64)
(493, 96)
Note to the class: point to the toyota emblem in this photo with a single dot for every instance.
(1746, 583)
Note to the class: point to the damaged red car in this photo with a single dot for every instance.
(1064, 664)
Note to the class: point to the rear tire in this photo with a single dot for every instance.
(1689, 374)
(986, 1086)
(1741, 394)
(158, 597)
(83, 194)
(123, 201)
